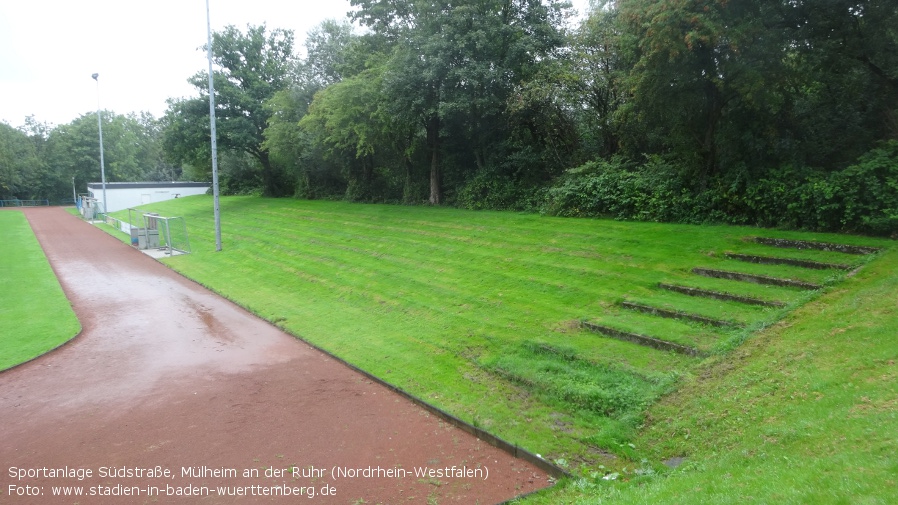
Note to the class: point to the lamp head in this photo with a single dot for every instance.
(95, 76)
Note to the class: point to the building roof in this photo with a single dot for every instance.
(148, 185)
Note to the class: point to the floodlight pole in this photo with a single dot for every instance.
(215, 205)
(100, 127)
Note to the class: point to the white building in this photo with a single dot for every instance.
(123, 195)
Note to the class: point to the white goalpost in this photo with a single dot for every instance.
(166, 233)
(152, 232)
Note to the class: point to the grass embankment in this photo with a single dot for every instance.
(804, 412)
(35, 315)
(478, 312)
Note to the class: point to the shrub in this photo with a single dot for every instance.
(488, 189)
(869, 192)
(621, 189)
(862, 198)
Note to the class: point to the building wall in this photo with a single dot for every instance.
(130, 196)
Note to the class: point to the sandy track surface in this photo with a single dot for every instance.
(169, 377)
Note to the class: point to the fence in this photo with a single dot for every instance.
(118, 224)
(24, 203)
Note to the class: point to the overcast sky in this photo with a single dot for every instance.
(144, 51)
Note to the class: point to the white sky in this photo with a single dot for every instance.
(144, 51)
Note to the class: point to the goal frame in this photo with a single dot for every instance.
(166, 226)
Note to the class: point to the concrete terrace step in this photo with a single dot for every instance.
(757, 279)
(676, 314)
(655, 343)
(820, 246)
(772, 260)
(720, 295)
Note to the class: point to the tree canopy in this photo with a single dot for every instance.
(40, 162)
(253, 66)
(701, 109)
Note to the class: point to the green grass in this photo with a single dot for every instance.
(476, 312)
(35, 315)
(804, 412)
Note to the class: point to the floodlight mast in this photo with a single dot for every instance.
(215, 205)
(100, 127)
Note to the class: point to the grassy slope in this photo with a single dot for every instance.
(804, 412)
(35, 315)
(447, 303)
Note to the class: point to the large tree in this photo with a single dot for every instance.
(252, 67)
(350, 120)
(453, 67)
(845, 53)
(733, 87)
(699, 65)
(326, 47)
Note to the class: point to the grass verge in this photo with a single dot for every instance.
(35, 315)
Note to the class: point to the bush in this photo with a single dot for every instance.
(488, 189)
(862, 198)
(621, 189)
(869, 192)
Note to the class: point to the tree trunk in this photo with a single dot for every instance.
(272, 183)
(268, 184)
(478, 159)
(714, 104)
(433, 137)
(408, 192)
(368, 177)
(435, 176)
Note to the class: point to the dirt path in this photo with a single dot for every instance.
(168, 376)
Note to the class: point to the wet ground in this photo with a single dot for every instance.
(172, 394)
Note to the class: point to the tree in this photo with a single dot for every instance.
(846, 58)
(704, 73)
(290, 146)
(18, 161)
(733, 87)
(253, 67)
(593, 80)
(327, 51)
(453, 67)
(349, 119)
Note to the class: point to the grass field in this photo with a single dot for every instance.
(479, 313)
(35, 315)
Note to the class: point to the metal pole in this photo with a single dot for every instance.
(102, 163)
(168, 235)
(215, 205)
